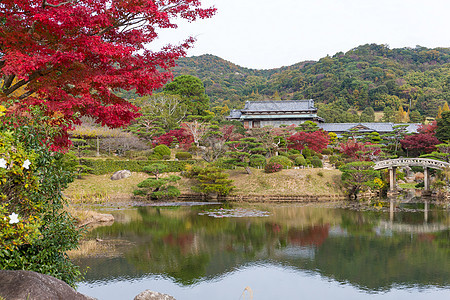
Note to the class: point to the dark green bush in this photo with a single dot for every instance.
(225, 163)
(257, 161)
(259, 150)
(285, 154)
(158, 188)
(294, 151)
(327, 151)
(133, 154)
(316, 162)
(45, 231)
(154, 157)
(307, 152)
(183, 155)
(212, 180)
(300, 161)
(161, 150)
(100, 166)
(333, 159)
(293, 156)
(282, 160)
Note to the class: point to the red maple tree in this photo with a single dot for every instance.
(422, 142)
(316, 140)
(69, 57)
(181, 136)
(359, 151)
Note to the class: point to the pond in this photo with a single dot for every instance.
(270, 251)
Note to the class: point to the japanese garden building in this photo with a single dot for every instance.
(257, 114)
(381, 128)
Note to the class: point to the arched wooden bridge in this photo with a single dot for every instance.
(393, 164)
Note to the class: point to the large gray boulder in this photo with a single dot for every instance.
(150, 295)
(121, 175)
(21, 285)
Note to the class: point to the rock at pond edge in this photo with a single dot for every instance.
(150, 295)
(19, 285)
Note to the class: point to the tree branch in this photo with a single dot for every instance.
(29, 93)
(44, 3)
(8, 81)
(20, 83)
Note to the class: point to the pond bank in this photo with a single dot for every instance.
(256, 198)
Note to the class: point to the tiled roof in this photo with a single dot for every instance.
(279, 106)
(378, 127)
(235, 114)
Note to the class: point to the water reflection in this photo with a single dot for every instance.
(374, 251)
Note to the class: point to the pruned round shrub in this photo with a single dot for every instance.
(300, 161)
(316, 162)
(283, 154)
(294, 151)
(161, 150)
(306, 152)
(155, 157)
(183, 155)
(257, 161)
(333, 159)
(273, 167)
(327, 151)
(282, 160)
(294, 156)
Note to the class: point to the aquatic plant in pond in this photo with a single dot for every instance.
(234, 213)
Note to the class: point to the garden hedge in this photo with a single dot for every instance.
(100, 166)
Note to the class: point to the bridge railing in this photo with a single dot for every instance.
(400, 162)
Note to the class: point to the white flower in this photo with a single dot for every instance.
(13, 218)
(2, 163)
(26, 164)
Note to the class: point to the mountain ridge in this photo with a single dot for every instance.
(371, 75)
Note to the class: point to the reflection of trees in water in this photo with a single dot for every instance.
(190, 248)
(378, 263)
(312, 236)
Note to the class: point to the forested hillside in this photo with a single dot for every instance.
(415, 79)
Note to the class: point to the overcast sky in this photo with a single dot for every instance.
(265, 34)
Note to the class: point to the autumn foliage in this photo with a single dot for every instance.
(70, 56)
(422, 142)
(359, 151)
(179, 136)
(316, 140)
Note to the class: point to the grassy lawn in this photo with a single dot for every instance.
(93, 187)
(97, 188)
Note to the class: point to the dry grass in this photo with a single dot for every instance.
(99, 188)
(287, 182)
